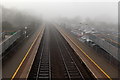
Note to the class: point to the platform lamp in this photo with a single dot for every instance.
(26, 31)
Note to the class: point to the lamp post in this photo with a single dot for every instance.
(26, 32)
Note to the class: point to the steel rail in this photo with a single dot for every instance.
(63, 60)
(72, 58)
(39, 63)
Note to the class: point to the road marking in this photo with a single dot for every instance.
(88, 57)
(25, 57)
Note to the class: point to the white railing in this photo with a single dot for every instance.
(9, 41)
(113, 50)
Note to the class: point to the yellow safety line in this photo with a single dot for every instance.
(34, 55)
(24, 57)
(88, 57)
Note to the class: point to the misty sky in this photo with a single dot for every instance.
(103, 11)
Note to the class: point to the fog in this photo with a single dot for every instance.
(101, 15)
(101, 11)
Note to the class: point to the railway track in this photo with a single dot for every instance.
(55, 59)
(71, 69)
(41, 66)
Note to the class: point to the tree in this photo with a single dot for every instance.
(6, 26)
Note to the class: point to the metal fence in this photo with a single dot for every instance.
(105, 45)
(9, 41)
(2, 35)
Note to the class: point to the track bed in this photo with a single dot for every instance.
(56, 59)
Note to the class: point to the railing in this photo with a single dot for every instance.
(9, 41)
(113, 50)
